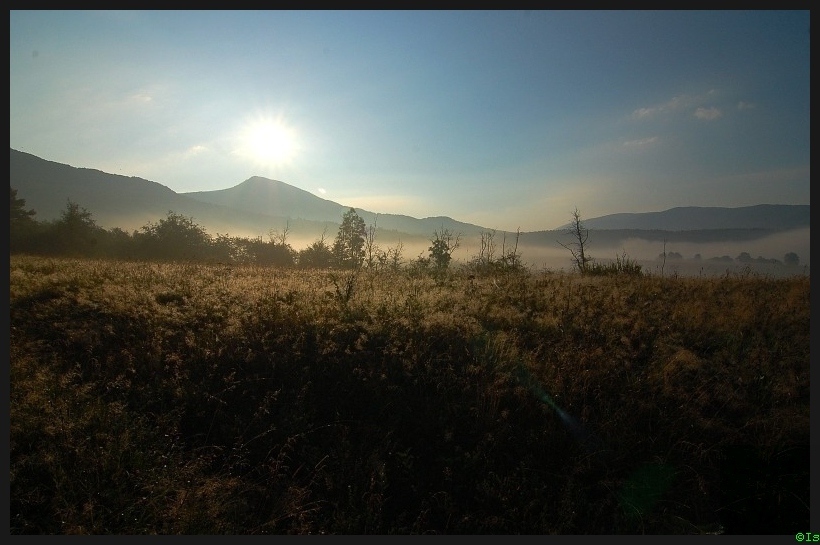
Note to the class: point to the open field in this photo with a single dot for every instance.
(153, 398)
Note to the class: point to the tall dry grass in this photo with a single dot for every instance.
(204, 399)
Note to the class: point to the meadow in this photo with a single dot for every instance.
(174, 398)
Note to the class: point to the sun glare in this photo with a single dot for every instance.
(268, 142)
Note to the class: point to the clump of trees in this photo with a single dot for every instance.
(177, 237)
(790, 258)
(318, 255)
(488, 262)
(354, 248)
(585, 263)
(173, 237)
(74, 234)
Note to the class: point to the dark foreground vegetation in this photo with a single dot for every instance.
(152, 398)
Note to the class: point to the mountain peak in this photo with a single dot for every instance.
(259, 180)
(261, 195)
(265, 186)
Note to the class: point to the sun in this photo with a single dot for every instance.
(269, 142)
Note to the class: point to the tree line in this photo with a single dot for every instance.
(177, 237)
(586, 264)
(789, 258)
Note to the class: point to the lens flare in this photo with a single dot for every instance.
(642, 489)
(589, 440)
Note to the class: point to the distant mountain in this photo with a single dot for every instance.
(47, 186)
(259, 205)
(259, 195)
(251, 208)
(774, 217)
(131, 203)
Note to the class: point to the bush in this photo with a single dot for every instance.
(622, 265)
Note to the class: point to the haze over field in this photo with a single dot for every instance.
(505, 119)
(258, 207)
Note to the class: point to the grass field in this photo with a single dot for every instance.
(153, 398)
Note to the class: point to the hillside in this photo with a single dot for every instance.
(775, 217)
(251, 208)
(258, 205)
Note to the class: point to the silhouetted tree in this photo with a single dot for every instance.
(578, 249)
(444, 243)
(18, 212)
(773, 261)
(118, 243)
(22, 226)
(224, 249)
(174, 237)
(486, 251)
(486, 260)
(348, 248)
(280, 238)
(317, 255)
(371, 250)
(392, 258)
(791, 259)
(511, 259)
(75, 233)
(273, 253)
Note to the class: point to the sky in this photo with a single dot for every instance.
(505, 119)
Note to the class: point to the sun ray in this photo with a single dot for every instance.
(268, 141)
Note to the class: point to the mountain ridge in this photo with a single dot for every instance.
(258, 204)
(777, 217)
(127, 202)
(264, 195)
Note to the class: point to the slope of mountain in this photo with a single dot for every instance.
(259, 205)
(129, 202)
(776, 217)
(252, 208)
(259, 195)
(47, 186)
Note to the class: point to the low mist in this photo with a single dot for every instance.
(650, 254)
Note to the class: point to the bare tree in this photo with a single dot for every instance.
(486, 254)
(663, 265)
(511, 259)
(280, 237)
(578, 249)
(370, 249)
(395, 256)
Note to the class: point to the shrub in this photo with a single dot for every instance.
(623, 264)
